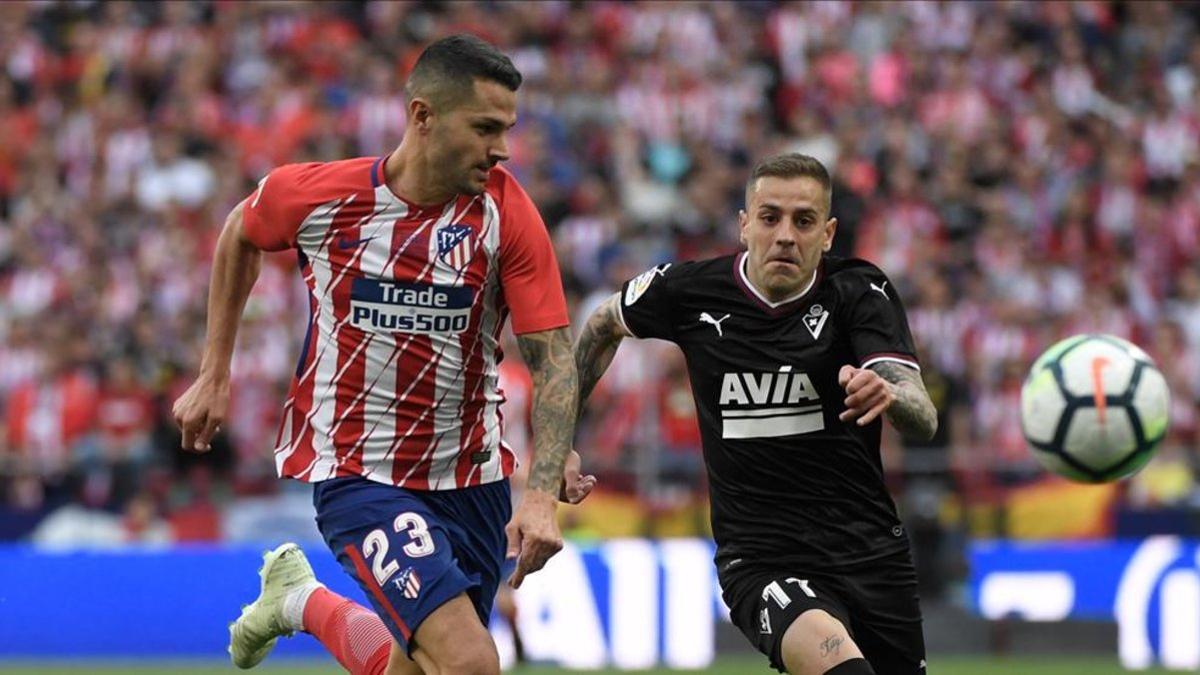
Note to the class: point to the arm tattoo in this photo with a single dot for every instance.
(597, 345)
(555, 390)
(912, 413)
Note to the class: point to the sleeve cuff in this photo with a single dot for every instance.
(621, 318)
(902, 359)
(540, 323)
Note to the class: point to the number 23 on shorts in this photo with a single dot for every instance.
(375, 545)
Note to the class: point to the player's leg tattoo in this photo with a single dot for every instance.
(831, 646)
(912, 413)
(816, 642)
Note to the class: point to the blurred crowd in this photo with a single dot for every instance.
(1022, 171)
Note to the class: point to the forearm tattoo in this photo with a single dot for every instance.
(598, 342)
(555, 391)
(912, 413)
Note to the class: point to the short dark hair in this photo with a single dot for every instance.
(793, 165)
(446, 71)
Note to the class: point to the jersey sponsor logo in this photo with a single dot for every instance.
(879, 288)
(391, 307)
(705, 317)
(641, 282)
(770, 404)
(814, 321)
(454, 246)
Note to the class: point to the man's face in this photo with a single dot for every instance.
(471, 137)
(785, 228)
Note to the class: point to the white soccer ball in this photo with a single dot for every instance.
(1094, 408)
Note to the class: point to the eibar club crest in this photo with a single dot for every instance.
(815, 320)
(454, 246)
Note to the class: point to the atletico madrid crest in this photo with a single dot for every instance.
(454, 246)
(409, 583)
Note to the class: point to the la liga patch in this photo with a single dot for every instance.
(637, 287)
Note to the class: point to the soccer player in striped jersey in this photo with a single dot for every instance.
(413, 262)
(794, 357)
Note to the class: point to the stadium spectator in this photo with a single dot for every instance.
(1020, 170)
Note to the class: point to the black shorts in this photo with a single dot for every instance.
(877, 602)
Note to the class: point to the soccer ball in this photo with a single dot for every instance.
(1094, 408)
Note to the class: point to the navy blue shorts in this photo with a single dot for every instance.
(411, 551)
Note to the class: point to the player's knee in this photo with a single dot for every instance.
(399, 664)
(816, 642)
(473, 659)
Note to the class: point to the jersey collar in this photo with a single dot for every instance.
(413, 210)
(785, 305)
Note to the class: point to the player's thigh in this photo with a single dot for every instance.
(765, 606)
(886, 617)
(474, 519)
(892, 649)
(816, 642)
(396, 548)
(453, 640)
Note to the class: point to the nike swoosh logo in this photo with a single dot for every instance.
(347, 244)
(258, 195)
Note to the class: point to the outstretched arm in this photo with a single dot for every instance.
(547, 354)
(202, 408)
(890, 388)
(533, 535)
(598, 342)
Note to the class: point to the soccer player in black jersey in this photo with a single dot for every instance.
(794, 358)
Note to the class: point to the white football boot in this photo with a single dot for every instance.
(262, 622)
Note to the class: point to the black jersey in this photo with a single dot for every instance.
(788, 480)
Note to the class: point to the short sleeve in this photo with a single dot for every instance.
(646, 304)
(528, 269)
(275, 210)
(877, 324)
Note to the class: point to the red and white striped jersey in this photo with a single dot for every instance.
(397, 377)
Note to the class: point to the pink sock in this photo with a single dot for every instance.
(355, 636)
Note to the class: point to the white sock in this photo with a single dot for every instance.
(294, 602)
